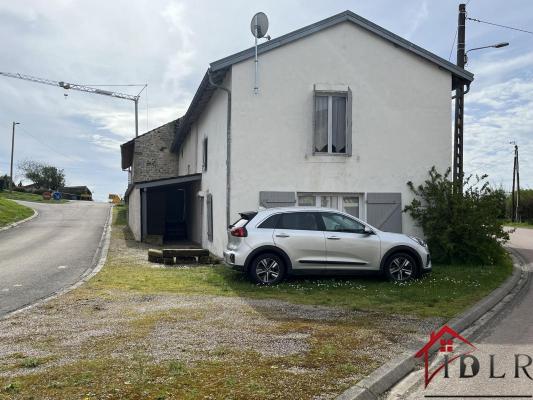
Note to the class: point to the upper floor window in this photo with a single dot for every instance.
(204, 155)
(332, 122)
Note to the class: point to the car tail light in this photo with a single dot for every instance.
(239, 232)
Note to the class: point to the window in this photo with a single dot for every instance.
(332, 123)
(303, 221)
(348, 203)
(209, 200)
(340, 223)
(270, 222)
(307, 201)
(204, 163)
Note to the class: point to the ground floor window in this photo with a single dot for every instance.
(345, 202)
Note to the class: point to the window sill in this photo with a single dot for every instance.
(332, 154)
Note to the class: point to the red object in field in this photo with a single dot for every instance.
(239, 232)
(47, 195)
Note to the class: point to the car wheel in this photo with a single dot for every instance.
(401, 267)
(267, 269)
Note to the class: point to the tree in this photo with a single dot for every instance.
(4, 182)
(460, 227)
(43, 175)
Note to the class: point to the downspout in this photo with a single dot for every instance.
(228, 146)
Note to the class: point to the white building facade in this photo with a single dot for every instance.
(346, 114)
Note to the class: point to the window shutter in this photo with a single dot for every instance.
(277, 199)
(384, 211)
(313, 110)
(209, 200)
(349, 133)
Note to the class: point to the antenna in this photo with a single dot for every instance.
(259, 28)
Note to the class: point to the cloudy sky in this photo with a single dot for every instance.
(168, 44)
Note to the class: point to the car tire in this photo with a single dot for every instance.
(401, 267)
(267, 269)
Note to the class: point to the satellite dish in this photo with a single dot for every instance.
(259, 25)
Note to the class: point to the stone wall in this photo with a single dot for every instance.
(152, 157)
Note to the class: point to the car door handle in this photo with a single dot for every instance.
(334, 238)
(282, 235)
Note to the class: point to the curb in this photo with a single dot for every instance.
(99, 259)
(14, 224)
(390, 373)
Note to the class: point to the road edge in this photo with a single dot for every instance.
(98, 262)
(14, 224)
(390, 373)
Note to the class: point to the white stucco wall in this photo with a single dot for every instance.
(134, 213)
(211, 124)
(401, 119)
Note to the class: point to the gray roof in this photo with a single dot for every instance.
(220, 67)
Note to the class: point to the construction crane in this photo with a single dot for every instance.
(83, 88)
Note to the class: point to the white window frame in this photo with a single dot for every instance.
(330, 92)
(340, 203)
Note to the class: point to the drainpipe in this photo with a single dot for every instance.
(228, 145)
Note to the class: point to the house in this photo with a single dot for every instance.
(346, 113)
(76, 193)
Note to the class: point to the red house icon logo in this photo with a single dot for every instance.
(444, 340)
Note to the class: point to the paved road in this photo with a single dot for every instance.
(510, 333)
(52, 251)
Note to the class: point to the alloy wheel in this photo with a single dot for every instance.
(267, 270)
(401, 268)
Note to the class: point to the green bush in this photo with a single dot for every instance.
(459, 227)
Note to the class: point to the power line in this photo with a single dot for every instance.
(453, 45)
(501, 26)
(46, 145)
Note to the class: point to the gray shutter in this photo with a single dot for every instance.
(349, 110)
(209, 201)
(277, 199)
(384, 211)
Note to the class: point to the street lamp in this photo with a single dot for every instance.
(493, 46)
(12, 150)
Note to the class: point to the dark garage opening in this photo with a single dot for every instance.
(171, 212)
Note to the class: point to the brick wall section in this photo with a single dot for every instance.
(152, 157)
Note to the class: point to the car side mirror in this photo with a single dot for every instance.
(368, 231)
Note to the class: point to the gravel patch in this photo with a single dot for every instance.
(187, 328)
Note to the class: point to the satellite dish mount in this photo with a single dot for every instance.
(259, 28)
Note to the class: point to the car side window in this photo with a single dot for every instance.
(270, 222)
(340, 223)
(303, 221)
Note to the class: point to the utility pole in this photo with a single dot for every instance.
(515, 199)
(459, 101)
(12, 151)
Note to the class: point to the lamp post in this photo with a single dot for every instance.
(492, 46)
(12, 150)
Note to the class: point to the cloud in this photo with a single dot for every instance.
(420, 16)
(494, 116)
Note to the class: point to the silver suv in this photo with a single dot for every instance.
(270, 244)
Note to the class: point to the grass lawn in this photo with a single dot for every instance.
(141, 331)
(28, 197)
(447, 291)
(12, 212)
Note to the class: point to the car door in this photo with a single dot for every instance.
(300, 236)
(347, 245)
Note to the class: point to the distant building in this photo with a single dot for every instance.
(76, 193)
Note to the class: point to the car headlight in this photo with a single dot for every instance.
(421, 242)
